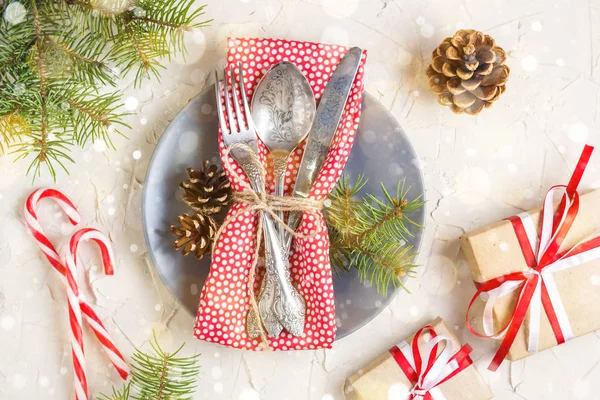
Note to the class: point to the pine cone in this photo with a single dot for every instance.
(195, 234)
(208, 190)
(467, 72)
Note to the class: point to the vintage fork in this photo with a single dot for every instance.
(284, 306)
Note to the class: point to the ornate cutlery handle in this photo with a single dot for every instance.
(290, 307)
(266, 300)
(280, 162)
(288, 304)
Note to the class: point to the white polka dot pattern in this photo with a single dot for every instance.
(224, 301)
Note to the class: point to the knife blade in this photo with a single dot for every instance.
(327, 118)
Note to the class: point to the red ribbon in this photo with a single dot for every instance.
(531, 277)
(417, 375)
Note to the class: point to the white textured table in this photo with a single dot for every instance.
(477, 171)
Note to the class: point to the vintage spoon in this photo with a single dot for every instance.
(283, 110)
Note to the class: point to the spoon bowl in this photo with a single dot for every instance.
(283, 108)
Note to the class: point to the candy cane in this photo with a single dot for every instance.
(74, 295)
(52, 255)
(36, 229)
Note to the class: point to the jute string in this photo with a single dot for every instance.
(260, 203)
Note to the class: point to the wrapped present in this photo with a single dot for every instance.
(533, 271)
(431, 365)
(226, 295)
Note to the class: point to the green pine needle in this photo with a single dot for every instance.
(157, 375)
(123, 394)
(54, 63)
(370, 235)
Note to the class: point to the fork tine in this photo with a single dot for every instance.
(219, 106)
(232, 125)
(236, 99)
(244, 98)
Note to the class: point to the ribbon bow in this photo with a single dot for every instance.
(535, 286)
(437, 369)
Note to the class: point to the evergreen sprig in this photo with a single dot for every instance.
(157, 375)
(122, 394)
(56, 58)
(370, 235)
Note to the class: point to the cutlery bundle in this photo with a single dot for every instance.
(289, 303)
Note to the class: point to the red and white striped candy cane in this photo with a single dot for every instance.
(36, 229)
(52, 255)
(74, 295)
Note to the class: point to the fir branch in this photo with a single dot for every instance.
(89, 18)
(15, 42)
(344, 205)
(41, 70)
(110, 8)
(7, 63)
(163, 23)
(145, 51)
(340, 253)
(164, 376)
(12, 127)
(176, 15)
(157, 375)
(385, 267)
(371, 235)
(123, 394)
(82, 57)
(52, 63)
(80, 3)
(150, 30)
(92, 116)
(141, 50)
(46, 142)
(101, 118)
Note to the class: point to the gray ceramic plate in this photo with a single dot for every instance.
(382, 152)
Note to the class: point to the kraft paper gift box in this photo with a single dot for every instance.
(384, 379)
(494, 251)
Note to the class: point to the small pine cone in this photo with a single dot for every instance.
(467, 72)
(195, 234)
(208, 190)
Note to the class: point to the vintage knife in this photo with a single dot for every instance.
(324, 128)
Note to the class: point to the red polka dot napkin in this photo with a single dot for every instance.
(224, 302)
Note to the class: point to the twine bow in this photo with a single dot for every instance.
(260, 203)
(535, 286)
(437, 369)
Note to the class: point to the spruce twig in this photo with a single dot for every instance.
(55, 58)
(158, 375)
(122, 394)
(41, 69)
(370, 235)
